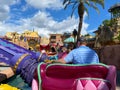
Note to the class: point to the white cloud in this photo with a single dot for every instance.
(85, 25)
(84, 28)
(4, 8)
(45, 24)
(5, 28)
(42, 21)
(43, 4)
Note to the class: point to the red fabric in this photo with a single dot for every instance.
(60, 71)
(45, 47)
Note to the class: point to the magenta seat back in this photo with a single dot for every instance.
(74, 77)
(76, 71)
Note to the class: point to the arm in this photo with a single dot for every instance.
(67, 59)
(59, 61)
(55, 61)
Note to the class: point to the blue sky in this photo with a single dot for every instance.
(47, 16)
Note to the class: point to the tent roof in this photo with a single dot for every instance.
(70, 39)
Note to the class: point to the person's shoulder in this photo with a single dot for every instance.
(92, 50)
(83, 47)
(73, 50)
(88, 47)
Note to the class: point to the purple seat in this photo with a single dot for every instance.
(74, 77)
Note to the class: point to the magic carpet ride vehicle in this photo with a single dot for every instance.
(74, 77)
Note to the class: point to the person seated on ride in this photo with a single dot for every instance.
(52, 54)
(52, 51)
(57, 47)
(71, 46)
(63, 53)
(81, 55)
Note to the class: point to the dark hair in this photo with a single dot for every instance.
(53, 49)
(82, 39)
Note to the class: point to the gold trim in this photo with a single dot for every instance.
(39, 57)
(18, 62)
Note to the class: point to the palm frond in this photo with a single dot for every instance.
(73, 10)
(86, 11)
(87, 2)
(74, 3)
(95, 7)
(101, 2)
(65, 1)
(74, 7)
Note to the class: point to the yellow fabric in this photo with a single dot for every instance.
(7, 87)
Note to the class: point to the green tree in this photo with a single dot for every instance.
(81, 6)
(118, 37)
(110, 23)
(106, 22)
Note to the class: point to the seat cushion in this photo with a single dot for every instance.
(76, 71)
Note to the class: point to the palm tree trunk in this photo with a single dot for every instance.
(80, 13)
(79, 28)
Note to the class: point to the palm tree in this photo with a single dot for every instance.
(81, 6)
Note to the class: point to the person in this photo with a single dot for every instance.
(57, 48)
(63, 53)
(52, 51)
(80, 55)
(52, 54)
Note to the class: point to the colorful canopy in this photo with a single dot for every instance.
(70, 39)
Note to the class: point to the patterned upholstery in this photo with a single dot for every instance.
(74, 77)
